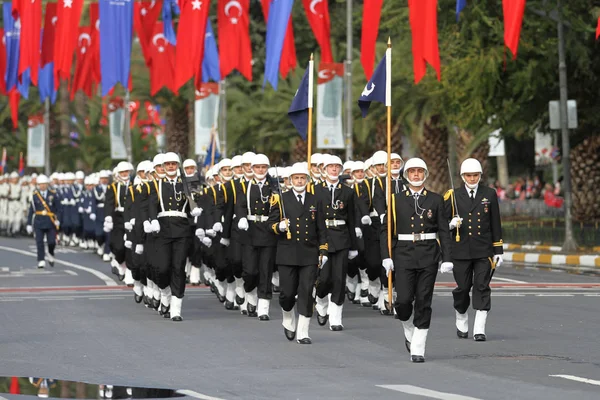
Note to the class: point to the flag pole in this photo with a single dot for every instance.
(47, 164)
(388, 103)
(213, 147)
(310, 106)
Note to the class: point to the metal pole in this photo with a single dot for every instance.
(348, 70)
(127, 128)
(569, 244)
(47, 165)
(223, 117)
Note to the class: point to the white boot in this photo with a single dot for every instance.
(221, 289)
(41, 264)
(462, 325)
(244, 306)
(128, 277)
(105, 257)
(289, 323)
(240, 294)
(100, 251)
(322, 306)
(374, 290)
(195, 276)
(176, 304)
(230, 297)
(351, 284)
(335, 317)
(409, 330)
(83, 245)
(165, 296)
(275, 278)
(302, 333)
(138, 289)
(479, 326)
(263, 309)
(417, 345)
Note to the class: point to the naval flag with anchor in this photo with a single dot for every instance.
(375, 90)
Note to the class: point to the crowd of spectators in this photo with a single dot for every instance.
(531, 188)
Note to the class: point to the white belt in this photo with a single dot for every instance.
(172, 214)
(119, 209)
(258, 218)
(334, 222)
(101, 205)
(373, 214)
(417, 237)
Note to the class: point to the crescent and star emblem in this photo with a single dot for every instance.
(54, 19)
(325, 74)
(313, 5)
(156, 38)
(68, 4)
(98, 24)
(367, 92)
(82, 37)
(228, 6)
(196, 4)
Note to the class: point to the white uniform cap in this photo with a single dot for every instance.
(380, 157)
(42, 179)
(236, 161)
(272, 171)
(103, 174)
(260, 159)
(171, 157)
(141, 166)
(348, 165)
(14, 175)
(471, 166)
(330, 160)
(34, 175)
(284, 172)
(158, 159)
(54, 175)
(247, 157)
(79, 175)
(69, 176)
(189, 163)
(316, 158)
(226, 162)
(123, 166)
(149, 166)
(357, 166)
(298, 169)
(415, 163)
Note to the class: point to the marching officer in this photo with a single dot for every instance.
(419, 221)
(102, 237)
(42, 220)
(476, 248)
(299, 222)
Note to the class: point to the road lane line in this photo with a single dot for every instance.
(197, 395)
(5, 269)
(507, 280)
(68, 271)
(577, 379)
(107, 280)
(419, 391)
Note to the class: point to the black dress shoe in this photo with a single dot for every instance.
(461, 334)
(130, 285)
(479, 338)
(51, 263)
(164, 310)
(213, 288)
(276, 289)
(417, 359)
(289, 334)
(264, 318)
(244, 312)
(351, 296)
(356, 300)
(304, 341)
(114, 270)
(364, 292)
(372, 299)
(407, 344)
(229, 305)
(155, 304)
(239, 300)
(220, 297)
(336, 328)
(138, 299)
(322, 320)
(252, 314)
(366, 304)
(121, 278)
(177, 319)
(251, 309)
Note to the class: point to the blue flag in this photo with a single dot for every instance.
(116, 32)
(46, 83)
(210, 64)
(298, 111)
(375, 89)
(23, 85)
(279, 15)
(460, 4)
(208, 160)
(167, 17)
(12, 36)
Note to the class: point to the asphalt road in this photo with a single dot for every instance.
(75, 322)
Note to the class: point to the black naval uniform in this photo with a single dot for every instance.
(114, 206)
(416, 260)
(298, 256)
(480, 240)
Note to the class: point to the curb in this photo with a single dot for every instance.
(541, 247)
(553, 259)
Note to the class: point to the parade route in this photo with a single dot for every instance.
(84, 325)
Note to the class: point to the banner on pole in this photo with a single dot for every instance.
(206, 114)
(116, 124)
(36, 141)
(496, 142)
(330, 90)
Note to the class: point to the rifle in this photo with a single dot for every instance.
(288, 233)
(454, 200)
(186, 186)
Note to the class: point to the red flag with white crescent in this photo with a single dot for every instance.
(95, 48)
(50, 21)
(234, 37)
(68, 13)
(2, 63)
(145, 14)
(13, 100)
(328, 71)
(206, 89)
(288, 52)
(317, 13)
(30, 14)
(162, 61)
(82, 79)
(598, 29)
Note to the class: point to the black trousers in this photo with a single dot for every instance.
(373, 259)
(117, 244)
(170, 259)
(150, 257)
(355, 264)
(415, 286)
(472, 274)
(39, 241)
(234, 257)
(332, 278)
(297, 281)
(257, 271)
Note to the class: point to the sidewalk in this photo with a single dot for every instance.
(541, 248)
(549, 255)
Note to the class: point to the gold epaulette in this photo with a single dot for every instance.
(274, 199)
(499, 243)
(324, 247)
(448, 194)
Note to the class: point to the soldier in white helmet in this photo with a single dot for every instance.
(42, 219)
(194, 260)
(88, 203)
(102, 237)
(14, 205)
(315, 172)
(4, 191)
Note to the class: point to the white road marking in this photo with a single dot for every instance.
(67, 271)
(554, 295)
(197, 395)
(577, 379)
(5, 269)
(419, 391)
(507, 280)
(54, 298)
(105, 278)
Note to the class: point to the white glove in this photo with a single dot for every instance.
(323, 261)
(243, 224)
(366, 220)
(196, 212)
(352, 254)
(132, 221)
(139, 248)
(358, 232)
(128, 244)
(147, 227)
(388, 264)
(381, 217)
(88, 210)
(211, 233)
(57, 224)
(108, 219)
(93, 216)
(498, 260)
(125, 237)
(128, 226)
(446, 267)
(200, 233)
(207, 241)
(455, 222)
(80, 210)
(283, 225)
(225, 242)
(218, 227)
(29, 229)
(155, 226)
(108, 226)
(73, 202)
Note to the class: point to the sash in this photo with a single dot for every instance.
(47, 209)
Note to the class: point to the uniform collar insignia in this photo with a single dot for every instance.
(484, 199)
(424, 193)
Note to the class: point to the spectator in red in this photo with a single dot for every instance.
(550, 199)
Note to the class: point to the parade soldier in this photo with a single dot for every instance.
(476, 246)
(418, 222)
(14, 205)
(299, 222)
(102, 237)
(42, 220)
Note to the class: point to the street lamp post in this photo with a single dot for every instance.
(348, 70)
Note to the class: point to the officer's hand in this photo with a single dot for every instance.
(29, 229)
(382, 217)
(196, 212)
(498, 260)
(80, 210)
(108, 226)
(323, 261)
(366, 220)
(132, 221)
(283, 225)
(352, 254)
(388, 264)
(88, 210)
(147, 227)
(200, 234)
(139, 248)
(93, 216)
(225, 242)
(211, 233)
(155, 226)
(128, 226)
(456, 221)
(358, 233)
(207, 241)
(108, 219)
(446, 267)
(218, 227)
(57, 224)
(128, 244)
(243, 224)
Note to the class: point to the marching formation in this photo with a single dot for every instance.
(316, 234)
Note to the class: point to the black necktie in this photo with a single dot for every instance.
(300, 198)
(472, 195)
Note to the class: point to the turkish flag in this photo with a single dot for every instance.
(190, 42)
(82, 79)
(95, 48)
(425, 47)
(30, 14)
(162, 61)
(134, 107)
(2, 63)
(67, 25)
(13, 100)
(233, 25)
(598, 29)
(49, 34)
(317, 13)
(145, 14)
(288, 52)
(513, 20)
(370, 31)
(152, 113)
